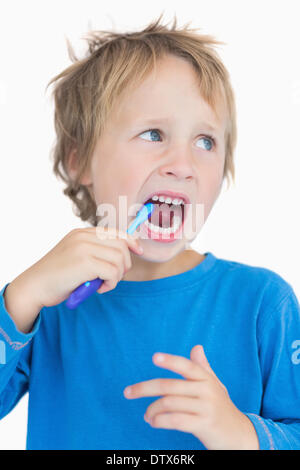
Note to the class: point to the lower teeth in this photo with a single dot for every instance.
(176, 222)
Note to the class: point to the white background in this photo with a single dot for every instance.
(256, 222)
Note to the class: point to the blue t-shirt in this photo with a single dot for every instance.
(76, 363)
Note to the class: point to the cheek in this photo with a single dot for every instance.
(115, 180)
(210, 190)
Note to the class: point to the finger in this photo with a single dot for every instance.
(109, 272)
(132, 241)
(118, 244)
(109, 234)
(156, 387)
(109, 263)
(181, 365)
(172, 404)
(198, 356)
(179, 421)
(113, 252)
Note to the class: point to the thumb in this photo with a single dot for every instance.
(198, 356)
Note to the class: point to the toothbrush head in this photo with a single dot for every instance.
(142, 215)
(149, 209)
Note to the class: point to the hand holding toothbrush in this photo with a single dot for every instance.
(78, 258)
(87, 288)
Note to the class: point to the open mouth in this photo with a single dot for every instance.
(166, 216)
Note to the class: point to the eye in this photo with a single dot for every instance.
(152, 131)
(207, 138)
(210, 140)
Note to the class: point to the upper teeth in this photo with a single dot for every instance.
(168, 200)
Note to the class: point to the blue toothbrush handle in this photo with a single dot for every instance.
(82, 292)
(89, 287)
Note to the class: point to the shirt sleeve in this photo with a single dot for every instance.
(278, 338)
(15, 358)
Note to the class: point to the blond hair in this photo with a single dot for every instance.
(85, 94)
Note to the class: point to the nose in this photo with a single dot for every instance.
(179, 163)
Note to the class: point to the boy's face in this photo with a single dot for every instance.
(176, 155)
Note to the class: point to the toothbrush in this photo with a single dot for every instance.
(89, 287)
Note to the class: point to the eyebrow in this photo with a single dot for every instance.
(154, 122)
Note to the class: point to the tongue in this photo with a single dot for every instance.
(163, 214)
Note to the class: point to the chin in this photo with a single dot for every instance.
(162, 252)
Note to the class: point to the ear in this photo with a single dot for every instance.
(71, 163)
(72, 168)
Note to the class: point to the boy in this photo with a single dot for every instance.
(216, 341)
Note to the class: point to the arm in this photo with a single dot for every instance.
(20, 304)
(202, 405)
(15, 358)
(278, 335)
